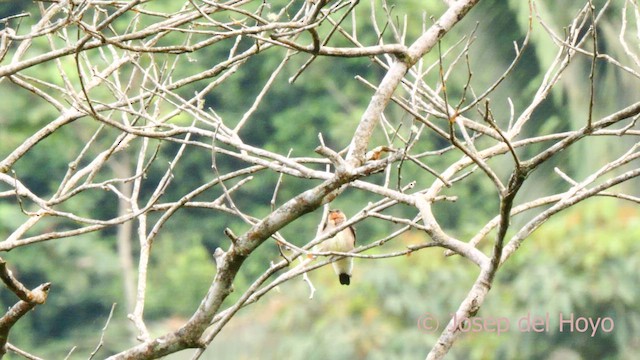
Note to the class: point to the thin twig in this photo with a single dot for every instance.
(104, 330)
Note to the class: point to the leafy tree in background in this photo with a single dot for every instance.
(139, 137)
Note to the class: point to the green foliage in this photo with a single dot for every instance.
(83, 273)
(188, 272)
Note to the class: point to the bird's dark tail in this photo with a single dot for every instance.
(345, 279)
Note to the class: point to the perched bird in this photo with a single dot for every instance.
(344, 241)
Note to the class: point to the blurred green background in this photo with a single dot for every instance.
(584, 262)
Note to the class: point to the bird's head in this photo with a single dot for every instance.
(336, 217)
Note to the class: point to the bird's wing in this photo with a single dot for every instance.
(353, 234)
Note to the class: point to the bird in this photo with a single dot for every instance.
(343, 241)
